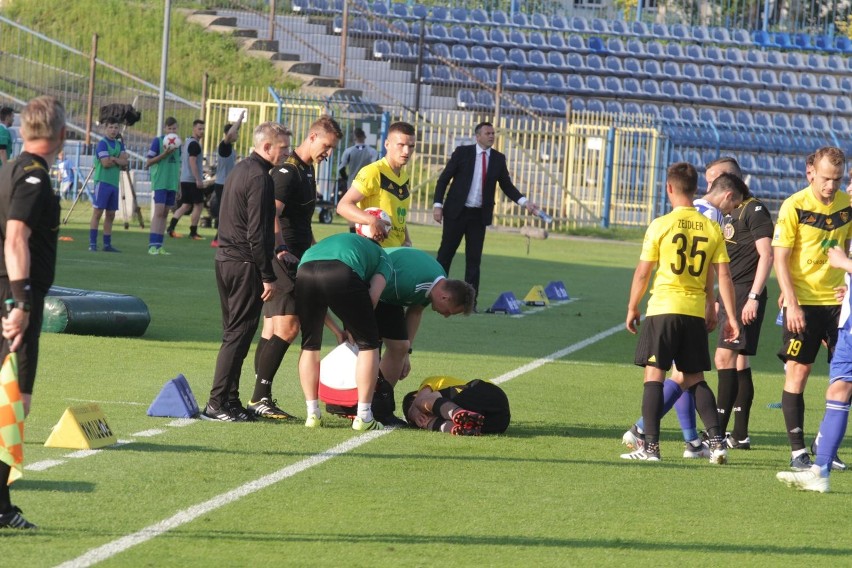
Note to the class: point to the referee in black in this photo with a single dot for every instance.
(29, 230)
(244, 273)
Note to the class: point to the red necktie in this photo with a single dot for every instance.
(484, 172)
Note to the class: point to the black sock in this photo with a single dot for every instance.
(705, 404)
(793, 407)
(172, 224)
(5, 498)
(725, 396)
(351, 229)
(267, 365)
(742, 406)
(261, 344)
(193, 230)
(652, 410)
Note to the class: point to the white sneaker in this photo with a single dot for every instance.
(641, 454)
(363, 426)
(313, 421)
(808, 480)
(691, 451)
(633, 439)
(719, 455)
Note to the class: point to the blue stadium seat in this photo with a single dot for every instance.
(461, 54)
(818, 123)
(578, 24)
(538, 40)
(459, 34)
(651, 88)
(599, 26)
(734, 55)
(769, 78)
(669, 113)
(709, 94)
(498, 55)
(782, 121)
(620, 28)
(459, 14)
(843, 104)
(540, 104)
(596, 45)
(640, 29)
(706, 114)
(762, 119)
(440, 51)
(558, 104)
(499, 18)
(478, 36)
(680, 32)
(439, 14)
(595, 84)
(669, 90)
(615, 46)
(687, 114)
(402, 50)
(576, 43)
(595, 105)
(651, 67)
(803, 41)
(480, 54)
(414, 29)
(761, 38)
(843, 44)
(539, 21)
(632, 87)
(806, 104)
(485, 100)
(537, 59)
(749, 75)
(764, 164)
(816, 61)
(721, 36)
(426, 73)
(741, 37)
(690, 71)
(783, 164)
(756, 58)
(825, 44)
(795, 60)
(381, 28)
(808, 81)
(418, 12)
(765, 98)
(482, 77)
(382, 49)
(594, 63)
(556, 83)
(789, 80)
(746, 162)
(399, 10)
(730, 74)
(465, 99)
(613, 65)
(378, 8)
(536, 80)
(497, 37)
(671, 69)
(522, 100)
(478, 16)
(655, 49)
(660, 31)
(689, 92)
(726, 117)
(635, 47)
(775, 58)
(556, 59)
(745, 96)
(633, 67)
(518, 38)
(675, 51)
(632, 108)
(782, 40)
(840, 126)
(520, 19)
(558, 22)
(437, 32)
(518, 57)
(442, 74)
(710, 73)
(613, 85)
(613, 107)
(701, 34)
(727, 95)
(714, 54)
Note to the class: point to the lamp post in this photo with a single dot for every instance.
(164, 66)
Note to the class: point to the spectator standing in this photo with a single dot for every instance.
(353, 159)
(111, 158)
(191, 182)
(164, 165)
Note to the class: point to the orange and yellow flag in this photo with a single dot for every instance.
(11, 418)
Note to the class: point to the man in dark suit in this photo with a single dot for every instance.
(468, 207)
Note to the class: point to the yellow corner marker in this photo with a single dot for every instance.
(536, 297)
(81, 427)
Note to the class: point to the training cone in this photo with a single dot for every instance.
(556, 291)
(175, 400)
(81, 427)
(507, 303)
(536, 297)
(337, 376)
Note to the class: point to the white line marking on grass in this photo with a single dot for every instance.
(181, 422)
(82, 454)
(557, 355)
(42, 465)
(108, 401)
(533, 311)
(192, 513)
(148, 433)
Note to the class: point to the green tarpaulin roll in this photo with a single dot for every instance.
(89, 312)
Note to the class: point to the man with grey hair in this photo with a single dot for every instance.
(29, 217)
(244, 274)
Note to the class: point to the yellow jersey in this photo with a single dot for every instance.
(384, 189)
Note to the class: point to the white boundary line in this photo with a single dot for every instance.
(190, 514)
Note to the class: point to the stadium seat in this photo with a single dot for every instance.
(594, 84)
(559, 106)
(651, 110)
(727, 95)
(498, 55)
(761, 38)
(518, 38)
(756, 58)
(805, 103)
(700, 34)
(708, 94)
(499, 18)
(437, 32)
(714, 54)
(575, 43)
(782, 40)
(840, 126)
(596, 45)
(726, 117)
(482, 77)
(426, 73)
(613, 85)
(746, 162)
(478, 36)
(784, 165)
(734, 55)
(632, 108)
(485, 100)
(539, 21)
(595, 105)
(599, 26)
(795, 60)
(615, 46)
(775, 59)
(557, 60)
(819, 123)
(379, 9)
(558, 22)
(784, 100)
(418, 12)
(825, 44)
(721, 36)
(536, 80)
(655, 49)
(632, 67)
(816, 61)
(845, 84)
(689, 92)
(613, 65)
(440, 52)
(480, 55)
(520, 19)
(744, 119)
(461, 54)
(465, 99)
(382, 49)
(518, 57)
(459, 14)
(729, 75)
(556, 83)
(620, 28)
(843, 44)
(749, 76)
(660, 31)
(537, 40)
(402, 50)
(651, 88)
(640, 29)
(399, 10)
(745, 96)
(706, 114)
(478, 16)
(522, 100)
(414, 29)
(440, 14)
(594, 63)
(808, 81)
(828, 83)
(537, 59)
(675, 51)
(635, 47)
(690, 71)
(671, 69)
(680, 32)
(710, 73)
(843, 104)
(578, 24)
(687, 114)
(631, 86)
(762, 120)
(540, 104)
(381, 28)
(781, 121)
(765, 98)
(789, 80)
(614, 107)
(497, 37)
(458, 34)
(651, 67)
(769, 78)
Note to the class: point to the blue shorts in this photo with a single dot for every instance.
(165, 197)
(841, 363)
(106, 197)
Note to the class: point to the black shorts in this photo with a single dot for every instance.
(330, 284)
(673, 337)
(391, 321)
(283, 301)
(190, 193)
(820, 325)
(485, 398)
(749, 334)
(28, 350)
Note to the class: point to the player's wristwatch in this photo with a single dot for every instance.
(753, 296)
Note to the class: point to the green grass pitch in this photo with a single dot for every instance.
(552, 491)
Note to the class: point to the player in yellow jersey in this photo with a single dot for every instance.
(458, 407)
(810, 222)
(682, 245)
(383, 184)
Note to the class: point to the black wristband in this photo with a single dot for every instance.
(21, 291)
(281, 248)
(410, 350)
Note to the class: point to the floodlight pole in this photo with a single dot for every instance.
(164, 67)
